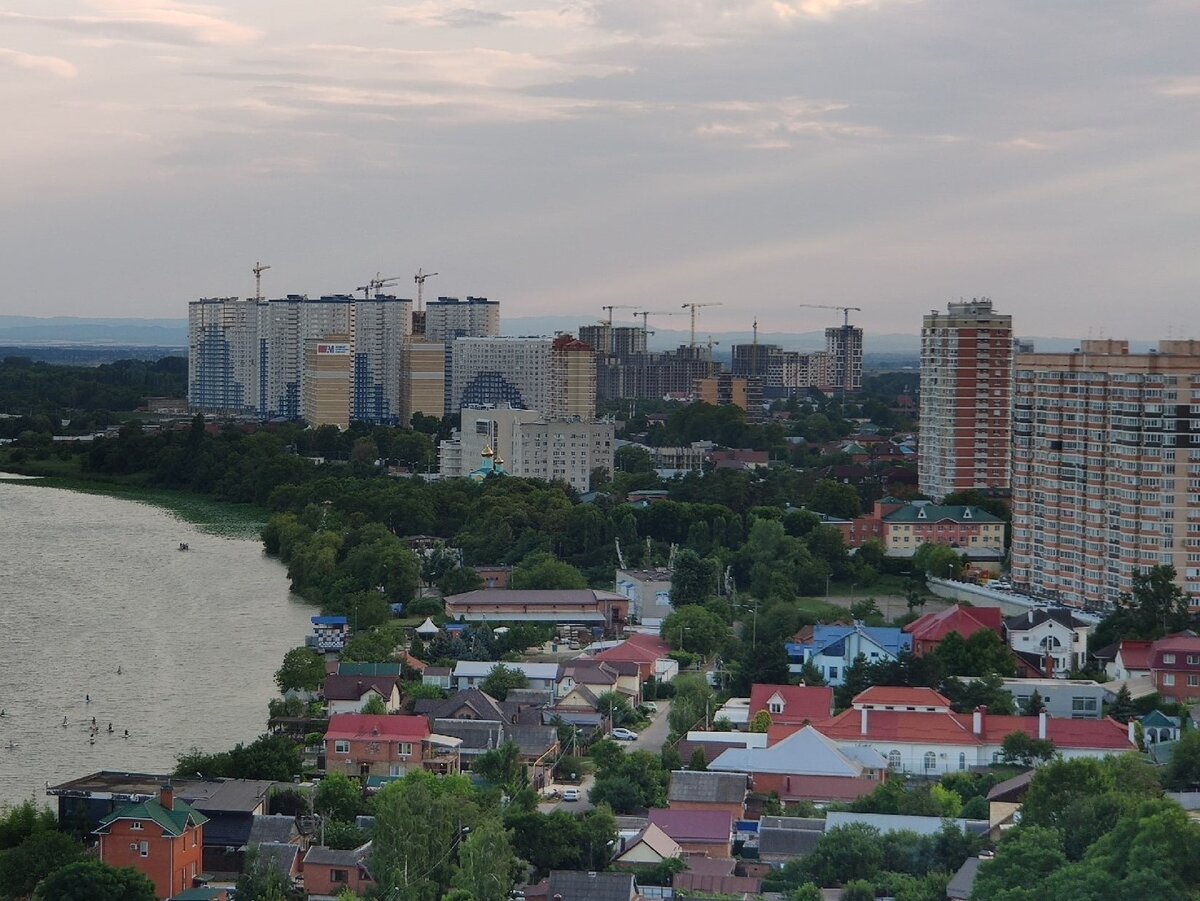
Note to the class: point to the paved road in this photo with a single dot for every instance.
(654, 736)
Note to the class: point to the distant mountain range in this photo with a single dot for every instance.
(30, 331)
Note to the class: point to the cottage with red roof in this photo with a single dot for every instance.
(162, 838)
(1130, 661)
(914, 730)
(649, 652)
(792, 704)
(1175, 666)
(929, 630)
(365, 745)
(706, 832)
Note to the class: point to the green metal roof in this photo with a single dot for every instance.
(173, 822)
(937, 513)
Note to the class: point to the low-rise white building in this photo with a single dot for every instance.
(1053, 635)
(471, 674)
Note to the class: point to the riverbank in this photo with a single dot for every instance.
(213, 517)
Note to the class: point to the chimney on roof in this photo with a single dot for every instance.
(977, 720)
(166, 797)
(1030, 615)
(1132, 731)
(1042, 717)
(862, 718)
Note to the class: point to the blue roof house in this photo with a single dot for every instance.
(833, 648)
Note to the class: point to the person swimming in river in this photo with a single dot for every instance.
(118, 670)
(87, 699)
(64, 722)
(126, 735)
(110, 729)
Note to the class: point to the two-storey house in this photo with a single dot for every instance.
(833, 648)
(1175, 666)
(366, 745)
(1053, 639)
(161, 837)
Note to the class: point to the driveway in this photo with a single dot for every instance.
(583, 805)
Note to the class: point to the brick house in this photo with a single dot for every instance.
(1175, 667)
(705, 832)
(328, 871)
(363, 745)
(930, 630)
(161, 837)
(692, 790)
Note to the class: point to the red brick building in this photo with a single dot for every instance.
(363, 745)
(1175, 666)
(161, 837)
(328, 871)
(929, 630)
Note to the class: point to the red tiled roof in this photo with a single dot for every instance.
(955, 729)
(1180, 645)
(800, 702)
(1136, 654)
(695, 826)
(638, 648)
(901, 696)
(966, 621)
(367, 726)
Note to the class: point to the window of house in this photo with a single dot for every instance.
(136, 826)
(1168, 658)
(1193, 681)
(962, 760)
(1083, 705)
(341, 747)
(397, 770)
(930, 761)
(1169, 679)
(144, 849)
(894, 760)
(339, 875)
(833, 672)
(1193, 659)
(404, 749)
(775, 707)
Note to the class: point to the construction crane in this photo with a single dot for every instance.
(372, 287)
(714, 303)
(258, 270)
(615, 306)
(825, 306)
(419, 278)
(647, 313)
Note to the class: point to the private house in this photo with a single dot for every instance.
(915, 734)
(472, 674)
(722, 792)
(833, 648)
(494, 576)
(649, 652)
(328, 872)
(237, 819)
(792, 704)
(1053, 639)
(601, 677)
(649, 847)
(807, 766)
(438, 676)
(1130, 659)
(365, 745)
(929, 630)
(162, 838)
(894, 822)
(649, 593)
(1175, 666)
(713, 744)
(781, 839)
(705, 832)
(1158, 728)
(584, 607)
(1078, 699)
(349, 694)
(1004, 800)
(576, 885)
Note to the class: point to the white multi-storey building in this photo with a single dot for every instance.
(448, 318)
(223, 355)
(380, 327)
(1106, 468)
(966, 399)
(490, 371)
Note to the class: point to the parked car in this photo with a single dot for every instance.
(650, 707)
(571, 794)
(1000, 585)
(624, 734)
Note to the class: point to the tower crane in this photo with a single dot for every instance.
(647, 313)
(372, 287)
(714, 303)
(258, 270)
(825, 306)
(615, 306)
(419, 279)
(846, 373)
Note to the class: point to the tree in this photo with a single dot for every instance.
(617, 708)
(693, 701)
(485, 863)
(502, 767)
(303, 669)
(695, 629)
(1154, 607)
(760, 722)
(459, 580)
(261, 880)
(693, 580)
(835, 499)
(1027, 856)
(1183, 772)
(544, 571)
(598, 835)
(343, 836)
(939, 560)
(1018, 748)
(338, 797)
(375, 705)
(39, 855)
(698, 761)
(845, 853)
(858, 890)
(1034, 705)
(1123, 708)
(501, 680)
(91, 880)
(806, 892)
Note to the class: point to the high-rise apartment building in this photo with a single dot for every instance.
(490, 371)
(599, 336)
(529, 444)
(223, 369)
(723, 390)
(448, 318)
(966, 399)
(1106, 468)
(380, 328)
(328, 377)
(844, 344)
(572, 379)
(281, 356)
(422, 380)
(782, 371)
(628, 341)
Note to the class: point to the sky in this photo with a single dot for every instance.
(560, 155)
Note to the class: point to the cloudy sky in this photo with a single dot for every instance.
(563, 154)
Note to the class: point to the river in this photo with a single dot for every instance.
(90, 584)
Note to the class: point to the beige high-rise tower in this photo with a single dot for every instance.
(328, 376)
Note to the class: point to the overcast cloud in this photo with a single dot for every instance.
(562, 154)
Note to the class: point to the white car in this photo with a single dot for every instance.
(571, 794)
(651, 706)
(624, 734)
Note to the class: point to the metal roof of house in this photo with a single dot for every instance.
(958, 513)
(894, 822)
(709, 788)
(695, 826)
(805, 752)
(174, 822)
(574, 885)
(474, 669)
(963, 882)
(319, 854)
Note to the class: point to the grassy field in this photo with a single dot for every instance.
(214, 517)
